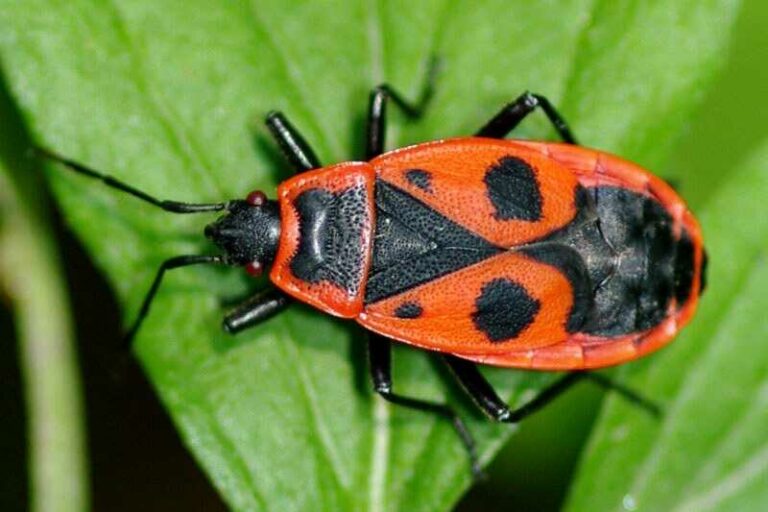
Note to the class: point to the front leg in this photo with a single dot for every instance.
(260, 307)
(293, 145)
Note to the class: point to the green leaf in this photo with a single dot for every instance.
(167, 95)
(710, 451)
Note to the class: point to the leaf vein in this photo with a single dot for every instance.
(311, 403)
(379, 454)
(739, 478)
(184, 143)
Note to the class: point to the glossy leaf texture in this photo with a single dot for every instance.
(710, 450)
(169, 95)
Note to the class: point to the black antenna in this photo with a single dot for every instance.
(169, 264)
(169, 206)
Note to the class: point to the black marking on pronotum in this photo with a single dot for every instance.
(415, 244)
(331, 229)
(420, 178)
(504, 309)
(513, 190)
(409, 310)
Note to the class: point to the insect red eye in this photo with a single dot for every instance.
(254, 268)
(256, 198)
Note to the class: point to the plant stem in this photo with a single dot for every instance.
(32, 278)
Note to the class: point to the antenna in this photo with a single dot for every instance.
(169, 206)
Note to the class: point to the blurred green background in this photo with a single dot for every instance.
(136, 458)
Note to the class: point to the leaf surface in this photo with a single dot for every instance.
(168, 95)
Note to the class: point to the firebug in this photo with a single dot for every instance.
(514, 253)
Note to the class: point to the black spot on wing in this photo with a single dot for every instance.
(420, 178)
(504, 310)
(409, 310)
(513, 190)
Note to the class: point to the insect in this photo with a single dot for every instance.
(515, 253)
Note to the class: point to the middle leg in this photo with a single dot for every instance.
(513, 113)
(377, 109)
(380, 357)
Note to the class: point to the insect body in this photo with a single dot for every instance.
(535, 255)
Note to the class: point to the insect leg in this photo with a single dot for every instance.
(169, 264)
(380, 356)
(628, 394)
(377, 109)
(513, 113)
(258, 308)
(483, 394)
(293, 145)
(169, 206)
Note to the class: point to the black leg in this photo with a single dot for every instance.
(178, 261)
(169, 206)
(481, 392)
(293, 145)
(258, 308)
(486, 398)
(628, 394)
(380, 355)
(513, 113)
(377, 109)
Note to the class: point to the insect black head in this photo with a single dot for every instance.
(249, 233)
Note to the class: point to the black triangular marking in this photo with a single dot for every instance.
(415, 244)
(396, 242)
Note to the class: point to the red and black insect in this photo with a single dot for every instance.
(536, 255)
